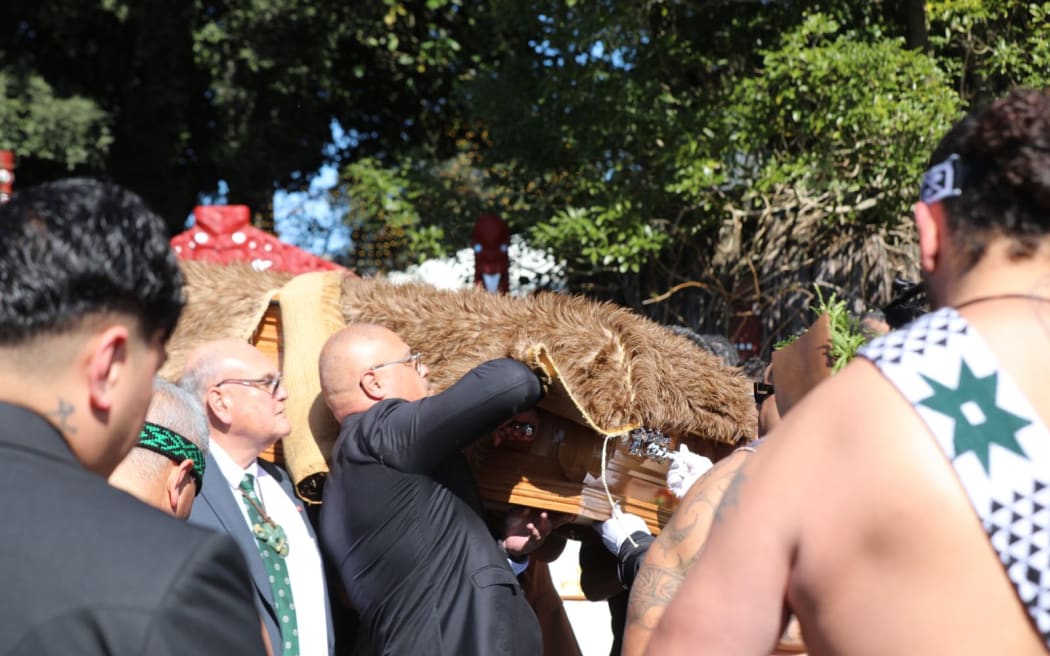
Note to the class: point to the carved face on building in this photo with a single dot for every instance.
(491, 241)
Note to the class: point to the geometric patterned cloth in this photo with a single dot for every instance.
(991, 434)
(171, 445)
(272, 547)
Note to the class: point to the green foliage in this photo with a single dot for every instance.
(649, 145)
(379, 195)
(605, 238)
(845, 333)
(242, 90)
(35, 123)
(834, 115)
(992, 45)
(381, 208)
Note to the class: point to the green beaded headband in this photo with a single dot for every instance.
(170, 444)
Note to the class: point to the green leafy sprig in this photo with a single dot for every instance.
(846, 335)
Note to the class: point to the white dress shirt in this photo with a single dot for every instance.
(303, 560)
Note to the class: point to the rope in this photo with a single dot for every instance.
(608, 495)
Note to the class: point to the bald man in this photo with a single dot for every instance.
(252, 500)
(401, 513)
(166, 468)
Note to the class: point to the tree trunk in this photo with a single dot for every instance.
(915, 24)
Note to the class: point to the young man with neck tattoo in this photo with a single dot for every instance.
(89, 293)
(901, 507)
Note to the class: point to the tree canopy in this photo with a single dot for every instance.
(688, 159)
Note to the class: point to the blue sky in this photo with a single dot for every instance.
(295, 213)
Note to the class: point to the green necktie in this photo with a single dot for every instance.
(273, 547)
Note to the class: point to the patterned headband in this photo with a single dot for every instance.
(943, 180)
(170, 444)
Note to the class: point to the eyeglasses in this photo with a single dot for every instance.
(762, 392)
(267, 384)
(415, 360)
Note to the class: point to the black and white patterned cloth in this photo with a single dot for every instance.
(991, 434)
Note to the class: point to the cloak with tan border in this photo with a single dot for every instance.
(610, 372)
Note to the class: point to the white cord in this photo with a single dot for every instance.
(608, 495)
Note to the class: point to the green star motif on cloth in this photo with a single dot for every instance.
(998, 427)
(1009, 494)
(273, 548)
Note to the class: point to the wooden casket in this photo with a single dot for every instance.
(624, 391)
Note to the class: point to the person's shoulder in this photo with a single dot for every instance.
(103, 550)
(838, 414)
(161, 536)
(169, 607)
(361, 425)
(843, 446)
(140, 536)
(508, 367)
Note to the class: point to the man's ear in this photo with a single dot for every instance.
(179, 478)
(107, 361)
(372, 386)
(930, 223)
(216, 403)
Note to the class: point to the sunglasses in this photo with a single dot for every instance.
(269, 384)
(762, 392)
(414, 359)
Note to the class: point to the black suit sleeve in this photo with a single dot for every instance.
(210, 609)
(630, 558)
(415, 437)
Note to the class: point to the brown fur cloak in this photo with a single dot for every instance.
(613, 370)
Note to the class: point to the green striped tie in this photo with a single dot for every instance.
(273, 547)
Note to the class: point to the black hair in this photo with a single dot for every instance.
(77, 248)
(909, 302)
(717, 344)
(754, 369)
(1004, 151)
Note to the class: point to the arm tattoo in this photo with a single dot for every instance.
(665, 567)
(653, 589)
(686, 517)
(62, 415)
(731, 498)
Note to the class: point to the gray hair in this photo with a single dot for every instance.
(175, 409)
(198, 377)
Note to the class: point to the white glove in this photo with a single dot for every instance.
(685, 468)
(619, 527)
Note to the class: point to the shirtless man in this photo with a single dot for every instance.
(679, 544)
(854, 510)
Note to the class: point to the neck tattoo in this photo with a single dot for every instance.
(62, 414)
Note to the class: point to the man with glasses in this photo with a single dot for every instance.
(401, 513)
(165, 469)
(252, 500)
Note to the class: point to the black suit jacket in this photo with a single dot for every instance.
(401, 520)
(88, 569)
(219, 510)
